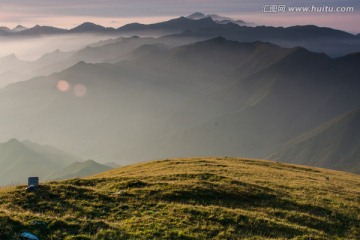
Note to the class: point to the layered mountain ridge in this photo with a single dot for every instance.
(320, 39)
(181, 101)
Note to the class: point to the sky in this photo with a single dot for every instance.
(116, 13)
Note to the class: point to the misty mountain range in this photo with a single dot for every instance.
(88, 27)
(198, 25)
(187, 93)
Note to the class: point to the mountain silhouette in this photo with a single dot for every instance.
(89, 27)
(216, 18)
(18, 28)
(41, 30)
(172, 26)
(319, 39)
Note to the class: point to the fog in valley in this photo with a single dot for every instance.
(123, 99)
(32, 48)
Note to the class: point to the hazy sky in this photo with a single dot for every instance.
(115, 13)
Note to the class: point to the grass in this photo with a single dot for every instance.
(198, 198)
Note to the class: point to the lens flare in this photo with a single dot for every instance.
(79, 90)
(63, 86)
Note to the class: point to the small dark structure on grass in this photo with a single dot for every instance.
(33, 184)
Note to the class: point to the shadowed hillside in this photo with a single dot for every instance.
(335, 144)
(199, 198)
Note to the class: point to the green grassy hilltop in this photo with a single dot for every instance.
(197, 198)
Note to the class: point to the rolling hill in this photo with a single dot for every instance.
(198, 198)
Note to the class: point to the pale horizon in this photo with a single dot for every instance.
(110, 13)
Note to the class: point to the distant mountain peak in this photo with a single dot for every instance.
(14, 145)
(89, 27)
(88, 24)
(197, 15)
(6, 29)
(19, 28)
(216, 18)
(13, 141)
(90, 161)
(11, 57)
(185, 19)
(40, 27)
(41, 30)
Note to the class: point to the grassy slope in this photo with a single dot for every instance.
(220, 198)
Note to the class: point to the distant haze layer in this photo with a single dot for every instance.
(113, 13)
(33, 48)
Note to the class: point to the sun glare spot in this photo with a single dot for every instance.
(79, 90)
(63, 86)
